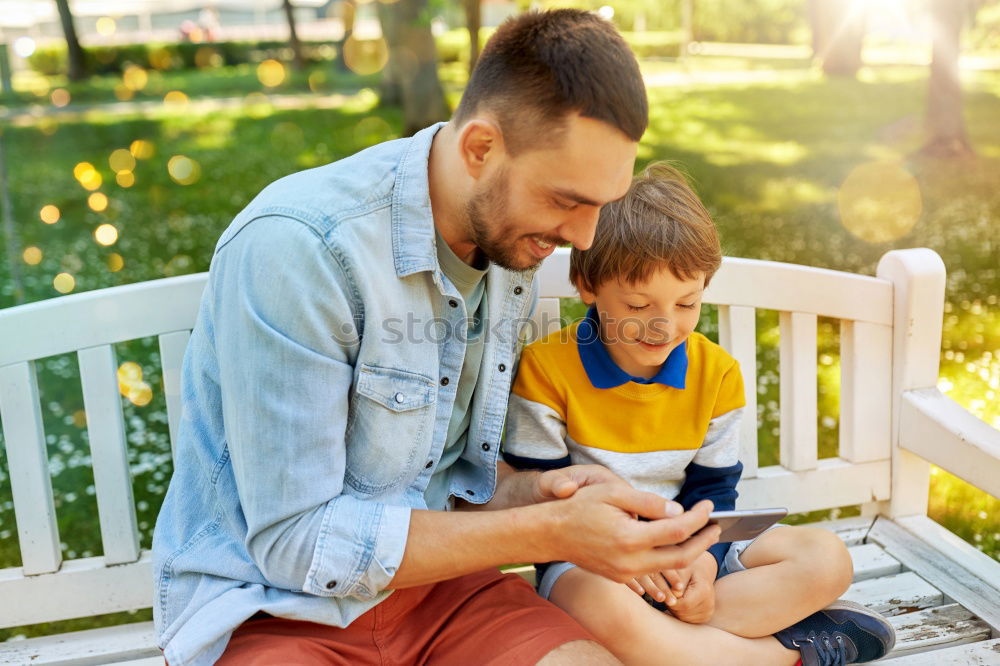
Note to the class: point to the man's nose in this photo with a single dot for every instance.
(581, 229)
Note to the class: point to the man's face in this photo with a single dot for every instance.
(527, 205)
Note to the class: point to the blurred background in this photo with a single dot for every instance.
(821, 132)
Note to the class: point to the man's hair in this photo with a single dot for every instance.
(660, 223)
(539, 67)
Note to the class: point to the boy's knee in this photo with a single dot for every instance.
(826, 553)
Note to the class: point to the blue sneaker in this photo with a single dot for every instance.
(842, 633)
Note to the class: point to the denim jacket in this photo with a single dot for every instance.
(316, 404)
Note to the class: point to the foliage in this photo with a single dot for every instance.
(762, 21)
(170, 56)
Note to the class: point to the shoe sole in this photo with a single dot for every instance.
(844, 605)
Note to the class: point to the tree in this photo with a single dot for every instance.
(410, 78)
(293, 35)
(473, 21)
(349, 10)
(77, 66)
(838, 31)
(945, 124)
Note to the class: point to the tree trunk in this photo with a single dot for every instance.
(945, 124)
(350, 10)
(293, 35)
(77, 66)
(838, 31)
(411, 75)
(473, 21)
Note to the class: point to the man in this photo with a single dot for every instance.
(328, 421)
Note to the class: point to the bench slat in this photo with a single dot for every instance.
(870, 561)
(112, 477)
(834, 482)
(865, 391)
(738, 335)
(895, 595)
(83, 648)
(983, 653)
(172, 347)
(798, 388)
(546, 319)
(81, 588)
(28, 462)
(935, 628)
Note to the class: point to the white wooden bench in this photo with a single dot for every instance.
(943, 595)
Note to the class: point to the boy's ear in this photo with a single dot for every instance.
(586, 295)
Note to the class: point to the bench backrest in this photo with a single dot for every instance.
(46, 588)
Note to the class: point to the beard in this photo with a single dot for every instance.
(492, 229)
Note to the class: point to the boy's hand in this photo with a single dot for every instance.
(562, 483)
(697, 605)
(665, 586)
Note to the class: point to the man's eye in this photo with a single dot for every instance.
(564, 206)
(636, 308)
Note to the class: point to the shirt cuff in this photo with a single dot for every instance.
(718, 551)
(359, 549)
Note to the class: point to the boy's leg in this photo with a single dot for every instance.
(639, 634)
(791, 571)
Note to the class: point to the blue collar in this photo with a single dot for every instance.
(604, 373)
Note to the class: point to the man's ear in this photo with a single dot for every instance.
(479, 141)
(586, 295)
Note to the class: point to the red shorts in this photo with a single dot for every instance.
(482, 618)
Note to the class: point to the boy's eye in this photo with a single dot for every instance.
(636, 308)
(687, 306)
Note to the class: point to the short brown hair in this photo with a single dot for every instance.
(659, 224)
(539, 67)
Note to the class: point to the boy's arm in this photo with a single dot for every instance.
(716, 469)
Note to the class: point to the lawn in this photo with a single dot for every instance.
(768, 155)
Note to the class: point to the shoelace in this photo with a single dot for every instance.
(828, 653)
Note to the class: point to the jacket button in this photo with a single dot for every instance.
(430, 463)
(331, 584)
(469, 493)
(518, 290)
(453, 303)
(501, 367)
(400, 397)
(444, 381)
(486, 446)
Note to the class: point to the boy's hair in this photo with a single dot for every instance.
(539, 67)
(660, 223)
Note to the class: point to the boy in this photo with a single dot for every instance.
(634, 388)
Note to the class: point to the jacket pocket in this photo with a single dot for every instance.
(390, 418)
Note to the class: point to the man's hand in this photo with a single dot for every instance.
(596, 529)
(697, 605)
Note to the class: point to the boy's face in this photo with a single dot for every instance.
(642, 323)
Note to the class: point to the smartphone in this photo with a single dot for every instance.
(746, 523)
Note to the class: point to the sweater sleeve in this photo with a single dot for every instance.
(535, 436)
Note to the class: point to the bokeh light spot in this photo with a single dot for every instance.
(49, 214)
(372, 130)
(80, 419)
(879, 201)
(115, 262)
(98, 202)
(206, 56)
(106, 234)
(135, 78)
(160, 58)
(24, 46)
(317, 80)
(89, 177)
(128, 373)
(140, 394)
(175, 98)
(121, 160)
(366, 56)
(60, 97)
(183, 169)
(32, 255)
(142, 150)
(123, 93)
(106, 26)
(271, 73)
(64, 283)
(125, 178)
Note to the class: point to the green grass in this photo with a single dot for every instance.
(768, 159)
